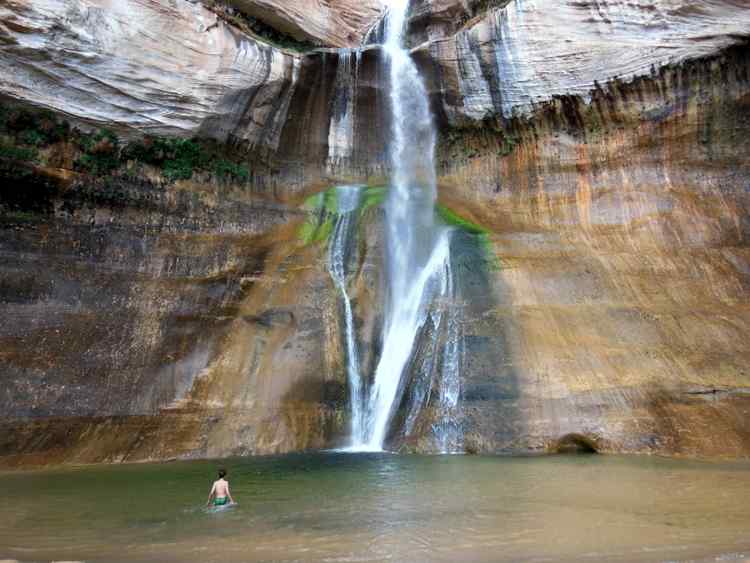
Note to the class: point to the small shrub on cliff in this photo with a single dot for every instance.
(101, 142)
(18, 153)
(51, 129)
(33, 137)
(226, 169)
(507, 146)
(19, 120)
(100, 152)
(150, 151)
(37, 129)
(186, 157)
(178, 158)
(178, 170)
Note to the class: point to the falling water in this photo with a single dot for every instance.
(438, 371)
(347, 198)
(341, 130)
(417, 248)
(446, 428)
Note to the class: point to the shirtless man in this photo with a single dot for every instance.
(220, 491)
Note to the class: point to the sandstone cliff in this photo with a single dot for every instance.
(331, 23)
(157, 311)
(508, 60)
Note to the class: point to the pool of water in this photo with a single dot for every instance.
(340, 507)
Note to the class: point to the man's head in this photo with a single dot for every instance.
(222, 473)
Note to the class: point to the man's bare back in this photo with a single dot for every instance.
(220, 491)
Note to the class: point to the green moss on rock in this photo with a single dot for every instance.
(450, 217)
(25, 132)
(480, 233)
(322, 208)
(372, 196)
(11, 152)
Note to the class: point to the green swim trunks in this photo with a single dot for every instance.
(221, 501)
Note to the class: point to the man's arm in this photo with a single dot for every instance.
(231, 500)
(211, 494)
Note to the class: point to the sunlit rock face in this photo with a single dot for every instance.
(431, 20)
(147, 66)
(511, 58)
(333, 23)
(622, 229)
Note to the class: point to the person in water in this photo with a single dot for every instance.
(220, 491)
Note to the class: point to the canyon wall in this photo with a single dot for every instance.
(621, 225)
(333, 23)
(599, 146)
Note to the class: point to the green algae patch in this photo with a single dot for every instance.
(480, 234)
(453, 219)
(372, 196)
(321, 209)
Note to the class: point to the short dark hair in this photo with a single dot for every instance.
(222, 473)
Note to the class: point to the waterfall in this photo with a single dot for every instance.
(417, 248)
(347, 198)
(341, 131)
(447, 431)
(439, 369)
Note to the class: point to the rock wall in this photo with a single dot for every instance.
(301, 119)
(145, 66)
(510, 59)
(331, 23)
(154, 318)
(175, 68)
(622, 229)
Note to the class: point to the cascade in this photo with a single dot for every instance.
(347, 198)
(417, 257)
(341, 130)
(421, 331)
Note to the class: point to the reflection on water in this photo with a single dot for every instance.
(375, 507)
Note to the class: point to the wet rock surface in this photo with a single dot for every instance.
(173, 320)
(621, 227)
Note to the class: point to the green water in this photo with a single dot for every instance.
(379, 507)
